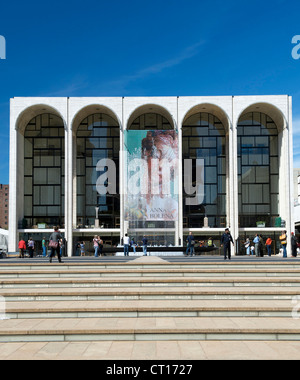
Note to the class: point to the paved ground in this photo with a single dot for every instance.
(162, 350)
(152, 350)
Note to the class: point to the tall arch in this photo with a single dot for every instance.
(259, 138)
(96, 134)
(205, 130)
(151, 116)
(43, 132)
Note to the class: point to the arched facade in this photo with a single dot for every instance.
(231, 167)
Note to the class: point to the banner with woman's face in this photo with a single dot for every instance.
(151, 168)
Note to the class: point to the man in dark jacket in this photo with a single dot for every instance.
(225, 241)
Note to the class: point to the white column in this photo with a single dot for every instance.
(289, 199)
(233, 176)
(69, 188)
(179, 225)
(121, 174)
(13, 207)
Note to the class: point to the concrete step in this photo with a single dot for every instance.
(148, 263)
(150, 300)
(139, 281)
(150, 308)
(138, 272)
(149, 293)
(154, 329)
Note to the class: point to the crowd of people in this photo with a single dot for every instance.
(257, 246)
(56, 245)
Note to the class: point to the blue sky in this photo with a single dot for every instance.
(148, 48)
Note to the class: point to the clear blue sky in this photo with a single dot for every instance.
(148, 48)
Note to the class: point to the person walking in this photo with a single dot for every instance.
(126, 245)
(226, 239)
(190, 244)
(54, 241)
(269, 246)
(256, 245)
(294, 244)
(22, 248)
(145, 244)
(283, 241)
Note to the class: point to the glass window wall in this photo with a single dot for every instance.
(258, 171)
(203, 137)
(98, 137)
(44, 172)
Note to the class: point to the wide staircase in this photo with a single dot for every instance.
(150, 308)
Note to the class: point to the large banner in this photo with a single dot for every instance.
(151, 175)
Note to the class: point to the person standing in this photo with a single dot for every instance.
(294, 245)
(82, 248)
(247, 246)
(261, 246)
(54, 240)
(225, 241)
(190, 244)
(133, 245)
(31, 247)
(22, 248)
(96, 245)
(44, 247)
(269, 246)
(126, 245)
(256, 245)
(145, 244)
(283, 241)
(100, 245)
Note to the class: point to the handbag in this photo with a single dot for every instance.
(53, 244)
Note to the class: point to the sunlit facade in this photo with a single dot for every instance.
(241, 147)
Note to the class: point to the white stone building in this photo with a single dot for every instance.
(244, 142)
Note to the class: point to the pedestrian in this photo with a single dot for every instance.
(256, 245)
(294, 244)
(247, 246)
(261, 246)
(63, 248)
(133, 245)
(269, 246)
(31, 247)
(44, 247)
(54, 240)
(126, 245)
(283, 241)
(226, 239)
(190, 244)
(145, 244)
(100, 245)
(96, 245)
(210, 242)
(82, 248)
(22, 248)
